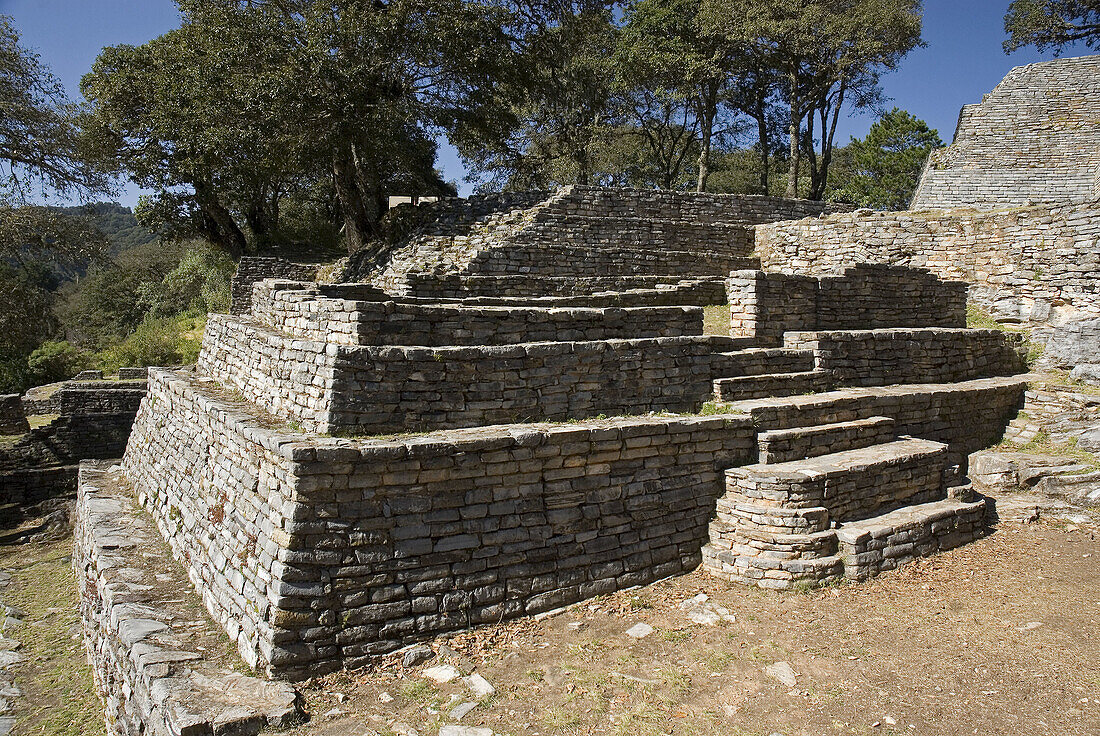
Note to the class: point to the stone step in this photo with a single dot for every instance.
(765, 572)
(741, 388)
(885, 542)
(921, 410)
(798, 443)
(851, 484)
(760, 361)
(733, 516)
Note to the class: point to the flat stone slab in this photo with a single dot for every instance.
(848, 461)
(160, 664)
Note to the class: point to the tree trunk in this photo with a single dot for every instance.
(708, 109)
(765, 139)
(794, 130)
(226, 234)
(811, 154)
(828, 131)
(358, 227)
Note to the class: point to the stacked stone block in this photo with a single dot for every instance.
(318, 553)
(309, 313)
(93, 422)
(146, 644)
(251, 269)
(1033, 139)
(12, 418)
(587, 233)
(1037, 264)
(765, 306)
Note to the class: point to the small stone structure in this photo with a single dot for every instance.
(1033, 139)
(253, 268)
(87, 420)
(1034, 264)
(764, 306)
(12, 418)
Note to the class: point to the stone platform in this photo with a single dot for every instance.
(162, 666)
(349, 470)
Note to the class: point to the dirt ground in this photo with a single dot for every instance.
(58, 696)
(998, 637)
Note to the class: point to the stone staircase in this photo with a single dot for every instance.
(760, 372)
(835, 495)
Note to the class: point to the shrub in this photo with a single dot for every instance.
(58, 360)
(159, 342)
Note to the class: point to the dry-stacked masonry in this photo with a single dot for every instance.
(1033, 139)
(317, 552)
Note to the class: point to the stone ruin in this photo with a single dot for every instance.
(1012, 208)
(85, 418)
(354, 467)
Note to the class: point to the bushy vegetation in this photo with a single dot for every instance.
(145, 306)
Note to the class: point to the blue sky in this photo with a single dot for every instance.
(963, 59)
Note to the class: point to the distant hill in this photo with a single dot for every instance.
(118, 224)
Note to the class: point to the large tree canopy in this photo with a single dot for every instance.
(1052, 24)
(248, 101)
(828, 53)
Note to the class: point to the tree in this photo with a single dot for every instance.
(827, 52)
(555, 103)
(289, 93)
(41, 150)
(1052, 24)
(665, 43)
(883, 169)
(42, 155)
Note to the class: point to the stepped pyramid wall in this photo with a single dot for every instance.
(349, 469)
(592, 237)
(1034, 139)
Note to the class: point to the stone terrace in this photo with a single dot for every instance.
(586, 239)
(347, 470)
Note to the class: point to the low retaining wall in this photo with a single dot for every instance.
(399, 389)
(159, 664)
(252, 269)
(1036, 263)
(884, 357)
(965, 416)
(95, 423)
(458, 286)
(317, 556)
(766, 305)
(306, 313)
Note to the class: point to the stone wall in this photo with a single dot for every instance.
(94, 423)
(305, 312)
(966, 416)
(1035, 138)
(375, 389)
(591, 232)
(317, 556)
(157, 660)
(1033, 263)
(12, 418)
(252, 269)
(885, 357)
(700, 293)
(765, 305)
